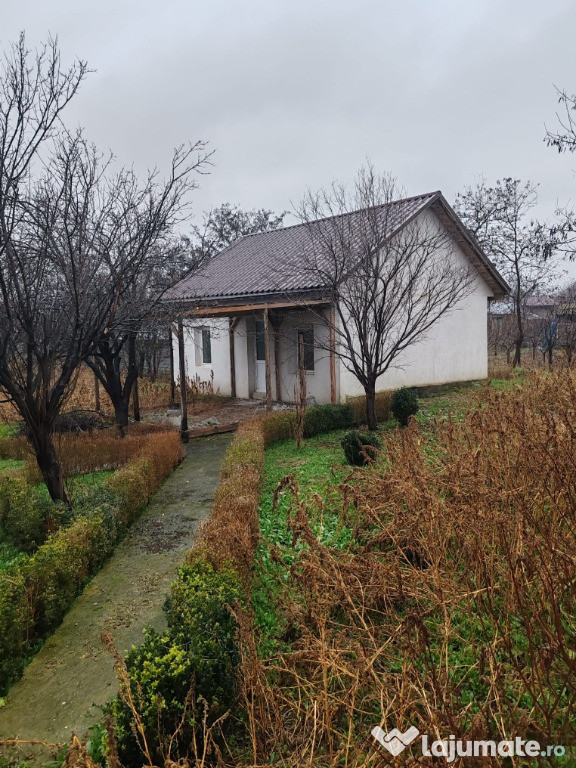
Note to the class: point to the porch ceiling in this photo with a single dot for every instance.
(232, 310)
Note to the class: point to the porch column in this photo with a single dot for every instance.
(171, 359)
(267, 359)
(276, 321)
(183, 399)
(232, 323)
(332, 354)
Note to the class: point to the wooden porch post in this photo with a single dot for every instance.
(183, 401)
(267, 359)
(332, 354)
(276, 321)
(232, 323)
(172, 377)
(277, 364)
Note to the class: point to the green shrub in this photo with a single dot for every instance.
(14, 625)
(24, 511)
(325, 418)
(381, 406)
(278, 425)
(404, 404)
(360, 448)
(59, 569)
(197, 656)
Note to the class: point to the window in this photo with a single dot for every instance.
(203, 346)
(206, 346)
(260, 341)
(306, 347)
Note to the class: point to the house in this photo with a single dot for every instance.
(255, 311)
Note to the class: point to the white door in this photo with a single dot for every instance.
(260, 356)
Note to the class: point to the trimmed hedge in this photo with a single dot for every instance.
(24, 511)
(15, 623)
(381, 406)
(229, 537)
(280, 425)
(55, 574)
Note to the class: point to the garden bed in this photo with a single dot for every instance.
(48, 552)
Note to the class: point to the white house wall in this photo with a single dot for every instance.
(454, 349)
(218, 372)
(317, 382)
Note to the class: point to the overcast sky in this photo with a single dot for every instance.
(293, 94)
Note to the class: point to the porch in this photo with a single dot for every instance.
(261, 351)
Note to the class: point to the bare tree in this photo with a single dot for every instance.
(566, 311)
(388, 287)
(67, 231)
(564, 139)
(524, 250)
(145, 215)
(225, 224)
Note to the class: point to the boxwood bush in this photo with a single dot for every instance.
(404, 404)
(360, 448)
(175, 674)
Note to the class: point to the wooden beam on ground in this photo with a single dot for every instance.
(267, 357)
(332, 354)
(216, 429)
(232, 323)
(183, 398)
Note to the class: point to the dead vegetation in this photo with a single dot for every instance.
(453, 608)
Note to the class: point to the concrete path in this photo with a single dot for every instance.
(72, 677)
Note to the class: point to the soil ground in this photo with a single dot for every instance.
(68, 682)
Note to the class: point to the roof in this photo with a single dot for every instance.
(541, 301)
(278, 262)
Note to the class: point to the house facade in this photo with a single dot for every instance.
(255, 314)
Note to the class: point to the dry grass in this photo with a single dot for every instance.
(153, 395)
(453, 607)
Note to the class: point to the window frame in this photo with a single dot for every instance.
(309, 347)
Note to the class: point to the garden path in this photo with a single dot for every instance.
(67, 683)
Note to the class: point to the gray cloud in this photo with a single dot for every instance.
(294, 94)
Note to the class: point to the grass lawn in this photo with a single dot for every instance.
(318, 467)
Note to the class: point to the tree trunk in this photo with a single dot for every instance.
(517, 353)
(48, 463)
(136, 401)
(370, 390)
(121, 415)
